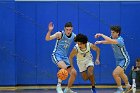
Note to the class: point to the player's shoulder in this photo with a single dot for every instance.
(73, 33)
(76, 45)
(89, 44)
(120, 37)
(59, 34)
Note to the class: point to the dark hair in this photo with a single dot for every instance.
(81, 38)
(68, 24)
(138, 60)
(117, 29)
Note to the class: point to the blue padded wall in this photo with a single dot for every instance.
(46, 69)
(26, 45)
(25, 55)
(7, 44)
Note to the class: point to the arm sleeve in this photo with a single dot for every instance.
(75, 47)
(120, 41)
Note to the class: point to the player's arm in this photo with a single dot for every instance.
(102, 42)
(95, 48)
(51, 37)
(50, 29)
(107, 40)
(72, 54)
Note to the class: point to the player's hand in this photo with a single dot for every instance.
(98, 42)
(98, 35)
(50, 26)
(97, 62)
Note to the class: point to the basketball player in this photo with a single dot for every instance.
(59, 55)
(84, 58)
(121, 55)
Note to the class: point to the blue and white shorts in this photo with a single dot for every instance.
(123, 63)
(57, 58)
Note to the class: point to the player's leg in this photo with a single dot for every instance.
(123, 65)
(116, 75)
(60, 64)
(90, 72)
(72, 73)
(84, 75)
(91, 75)
(83, 70)
(125, 79)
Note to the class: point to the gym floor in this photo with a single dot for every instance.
(51, 89)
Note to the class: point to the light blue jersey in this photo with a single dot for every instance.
(61, 48)
(121, 55)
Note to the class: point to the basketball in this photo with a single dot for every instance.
(62, 74)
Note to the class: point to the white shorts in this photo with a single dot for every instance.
(83, 65)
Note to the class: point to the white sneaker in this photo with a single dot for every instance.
(128, 89)
(119, 91)
(68, 90)
(59, 89)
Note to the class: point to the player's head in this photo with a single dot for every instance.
(138, 62)
(68, 28)
(81, 40)
(115, 31)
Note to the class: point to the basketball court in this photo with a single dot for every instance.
(25, 56)
(51, 89)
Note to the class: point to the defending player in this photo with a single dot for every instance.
(59, 55)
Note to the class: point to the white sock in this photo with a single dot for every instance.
(128, 85)
(120, 87)
(59, 82)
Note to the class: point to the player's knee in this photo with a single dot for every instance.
(114, 74)
(90, 73)
(73, 72)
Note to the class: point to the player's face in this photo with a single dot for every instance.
(114, 34)
(81, 45)
(68, 30)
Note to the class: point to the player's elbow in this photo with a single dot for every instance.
(47, 39)
(98, 49)
(113, 41)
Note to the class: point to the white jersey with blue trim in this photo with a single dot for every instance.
(120, 50)
(84, 55)
(62, 45)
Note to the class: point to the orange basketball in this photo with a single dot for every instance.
(62, 74)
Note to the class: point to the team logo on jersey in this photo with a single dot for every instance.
(66, 46)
